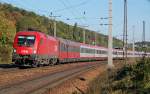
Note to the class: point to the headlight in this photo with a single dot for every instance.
(14, 50)
(34, 51)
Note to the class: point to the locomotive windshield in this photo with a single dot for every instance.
(26, 40)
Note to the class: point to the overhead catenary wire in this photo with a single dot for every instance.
(73, 6)
(83, 13)
(71, 12)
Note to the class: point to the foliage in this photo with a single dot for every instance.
(7, 30)
(131, 79)
(134, 79)
(5, 53)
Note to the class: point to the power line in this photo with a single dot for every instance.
(72, 12)
(74, 6)
(64, 4)
(84, 18)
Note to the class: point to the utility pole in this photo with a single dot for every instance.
(54, 24)
(110, 39)
(95, 38)
(133, 45)
(83, 35)
(143, 39)
(55, 28)
(125, 34)
(84, 30)
(143, 33)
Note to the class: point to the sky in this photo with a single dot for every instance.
(87, 13)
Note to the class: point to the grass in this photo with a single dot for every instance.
(100, 85)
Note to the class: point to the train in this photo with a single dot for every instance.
(34, 48)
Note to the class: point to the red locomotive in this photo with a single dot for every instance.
(32, 48)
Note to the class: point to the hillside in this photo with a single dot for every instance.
(139, 44)
(13, 19)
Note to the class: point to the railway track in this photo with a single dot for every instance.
(40, 84)
(7, 68)
(4, 71)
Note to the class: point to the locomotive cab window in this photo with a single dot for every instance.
(26, 40)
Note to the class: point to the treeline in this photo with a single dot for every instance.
(13, 19)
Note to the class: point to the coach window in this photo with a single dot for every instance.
(92, 51)
(61, 47)
(102, 52)
(65, 47)
(84, 50)
(69, 48)
(75, 49)
(81, 50)
(72, 48)
(88, 50)
(99, 51)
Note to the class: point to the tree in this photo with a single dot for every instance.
(75, 29)
(7, 30)
(27, 22)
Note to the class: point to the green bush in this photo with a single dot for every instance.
(5, 53)
(131, 79)
(134, 78)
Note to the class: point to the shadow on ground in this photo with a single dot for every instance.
(5, 66)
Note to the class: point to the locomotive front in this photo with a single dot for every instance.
(25, 48)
